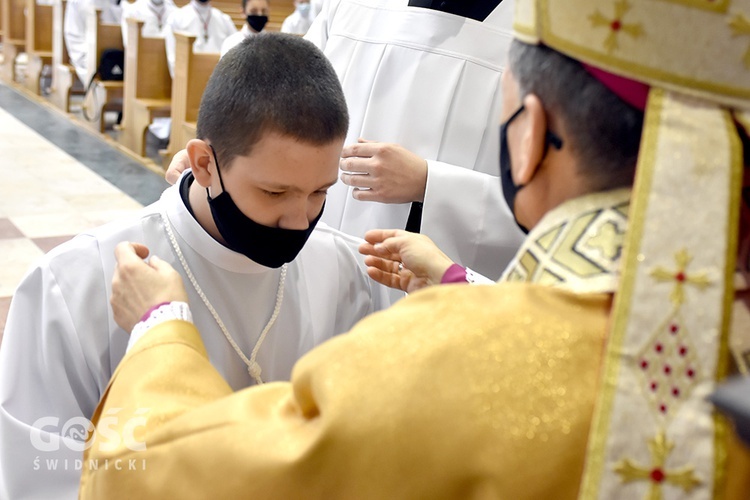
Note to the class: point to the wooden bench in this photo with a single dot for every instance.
(148, 87)
(104, 95)
(38, 43)
(14, 37)
(191, 73)
(64, 78)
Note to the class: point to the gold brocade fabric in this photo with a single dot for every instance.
(455, 392)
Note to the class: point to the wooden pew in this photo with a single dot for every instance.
(38, 43)
(104, 95)
(64, 78)
(148, 87)
(14, 37)
(191, 73)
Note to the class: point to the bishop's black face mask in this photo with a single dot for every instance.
(268, 246)
(510, 188)
(257, 22)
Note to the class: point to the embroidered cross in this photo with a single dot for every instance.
(616, 25)
(608, 240)
(680, 277)
(656, 473)
(741, 27)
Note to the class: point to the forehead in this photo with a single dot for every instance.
(280, 159)
(256, 4)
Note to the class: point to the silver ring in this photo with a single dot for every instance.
(400, 266)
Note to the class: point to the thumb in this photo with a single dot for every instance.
(363, 140)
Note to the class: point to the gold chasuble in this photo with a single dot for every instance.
(455, 392)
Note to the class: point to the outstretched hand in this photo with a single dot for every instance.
(139, 285)
(180, 162)
(423, 263)
(383, 172)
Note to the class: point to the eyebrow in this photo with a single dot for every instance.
(287, 187)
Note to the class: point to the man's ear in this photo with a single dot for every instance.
(201, 158)
(533, 141)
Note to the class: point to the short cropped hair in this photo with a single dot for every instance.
(604, 131)
(271, 82)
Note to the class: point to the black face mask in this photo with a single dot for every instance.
(257, 22)
(268, 246)
(511, 189)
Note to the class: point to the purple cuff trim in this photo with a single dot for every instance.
(454, 274)
(148, 313)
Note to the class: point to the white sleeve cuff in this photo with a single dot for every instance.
(165, 312)
(475, 278)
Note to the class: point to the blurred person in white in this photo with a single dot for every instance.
(74, 30)
(208, 24)
(153, 13)
(256, 16)
(299, 21)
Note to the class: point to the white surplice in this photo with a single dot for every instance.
(61, 344)
(74, 30)
(429, 81)
(190, 19)
(154, 17)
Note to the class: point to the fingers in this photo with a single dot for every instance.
(127, 252)
(357, 180)
(386, 278)
(379, 235)
(180, 162)
(362, 149)
(159, 265)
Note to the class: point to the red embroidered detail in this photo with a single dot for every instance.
(675, 392)
(683, 350)
(616, 25)
(667, 369)
(674, 328)
(680, 277)
(657, 475)
(654, 386)
(659, 347)
(663, 408)
(644, 364)
(690, 373)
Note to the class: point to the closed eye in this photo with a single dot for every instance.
(272, 194)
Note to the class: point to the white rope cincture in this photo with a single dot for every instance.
(253, 368)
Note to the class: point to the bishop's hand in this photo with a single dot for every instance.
(138, 285)
(403, 260)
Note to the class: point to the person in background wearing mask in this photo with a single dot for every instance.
(299, 21)
(153, 13)
(209, 25)
(256, 12)
(242, 227)
(74, 30)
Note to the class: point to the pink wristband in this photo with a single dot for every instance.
(148, 313)
(454, 274)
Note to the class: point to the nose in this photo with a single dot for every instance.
(297, 216)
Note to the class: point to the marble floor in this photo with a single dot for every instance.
(56, 180)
